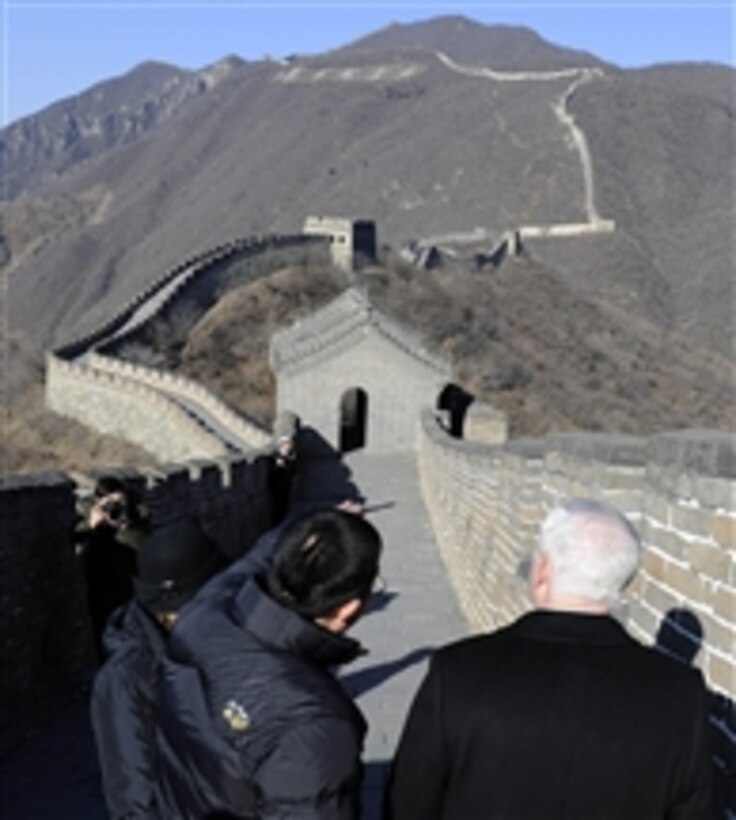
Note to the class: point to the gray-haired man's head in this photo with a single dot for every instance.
(586, 554)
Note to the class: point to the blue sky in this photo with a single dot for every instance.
(52, 49)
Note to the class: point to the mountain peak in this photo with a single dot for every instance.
(496, 45)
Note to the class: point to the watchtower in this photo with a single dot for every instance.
(352, 242)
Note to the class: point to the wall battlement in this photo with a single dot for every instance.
(486, 504)
(45, 647)
(130, 401)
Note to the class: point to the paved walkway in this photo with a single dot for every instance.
(417, 612)
(55, 777)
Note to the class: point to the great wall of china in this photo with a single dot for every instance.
(570, 131)
(485, 495)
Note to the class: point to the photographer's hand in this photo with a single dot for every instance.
(99, 513)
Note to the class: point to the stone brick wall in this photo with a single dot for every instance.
(128, 409)
(486, 504)
(45, 649)
(44, 643)
(140, 404)
(167, 383)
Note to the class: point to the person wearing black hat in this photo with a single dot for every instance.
(172, 565)
(251, 722)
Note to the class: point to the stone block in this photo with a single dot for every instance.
(714, 493)
(661, 599)
(654, 564)
(644, 618)
(710, 560)
(723, 529)
(722, 599)
(718, 634)
(655, 508)
(692, 520)
(721, 673)
(685, 581)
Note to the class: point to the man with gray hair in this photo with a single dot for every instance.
(561, 715)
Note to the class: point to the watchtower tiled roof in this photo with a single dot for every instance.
(339, 325)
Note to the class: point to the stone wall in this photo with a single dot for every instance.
(129, 410)
(166, 383)
(486, 504)
(678, 488)
(45, 649)
(44, 644)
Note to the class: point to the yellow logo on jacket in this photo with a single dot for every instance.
(236, 716)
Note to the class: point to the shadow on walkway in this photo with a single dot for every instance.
(358, 683)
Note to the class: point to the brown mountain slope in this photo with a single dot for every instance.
(428, 154)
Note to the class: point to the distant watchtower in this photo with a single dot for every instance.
(352, 242)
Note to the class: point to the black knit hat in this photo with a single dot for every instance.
(173, 563)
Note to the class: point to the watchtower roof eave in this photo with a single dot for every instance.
(335, 326)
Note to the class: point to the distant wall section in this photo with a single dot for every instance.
(171, 417)
(130, 410)
(352, 242)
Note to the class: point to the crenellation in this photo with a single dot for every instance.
(723, 529)
(688, 562)
(721, 671)
(708, 559)
(691, 518)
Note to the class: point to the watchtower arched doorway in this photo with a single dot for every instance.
(353, 419)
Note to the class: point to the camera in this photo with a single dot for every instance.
(115, 511)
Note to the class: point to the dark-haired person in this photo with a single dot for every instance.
(561, 715)
(172, 565)
(252, 722)
(110, 528)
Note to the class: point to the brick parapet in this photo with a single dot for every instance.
(165, 382)
(128, 409)
(486, 503)
(45, 647)
(129, 401)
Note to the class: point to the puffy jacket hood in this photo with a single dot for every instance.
(130, 626)
(280, 628)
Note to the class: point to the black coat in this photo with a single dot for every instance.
(559, 716)
(252, 722)
(125, 693)
(123, 708)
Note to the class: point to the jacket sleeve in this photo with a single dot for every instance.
(420, 769)
(313, 774)
(695, 797)
(123, 720)
(254, 562)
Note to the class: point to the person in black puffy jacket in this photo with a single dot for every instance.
(172, 564)
(252, 722)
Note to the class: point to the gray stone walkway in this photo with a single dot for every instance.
(55, 776)
(417, 612)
